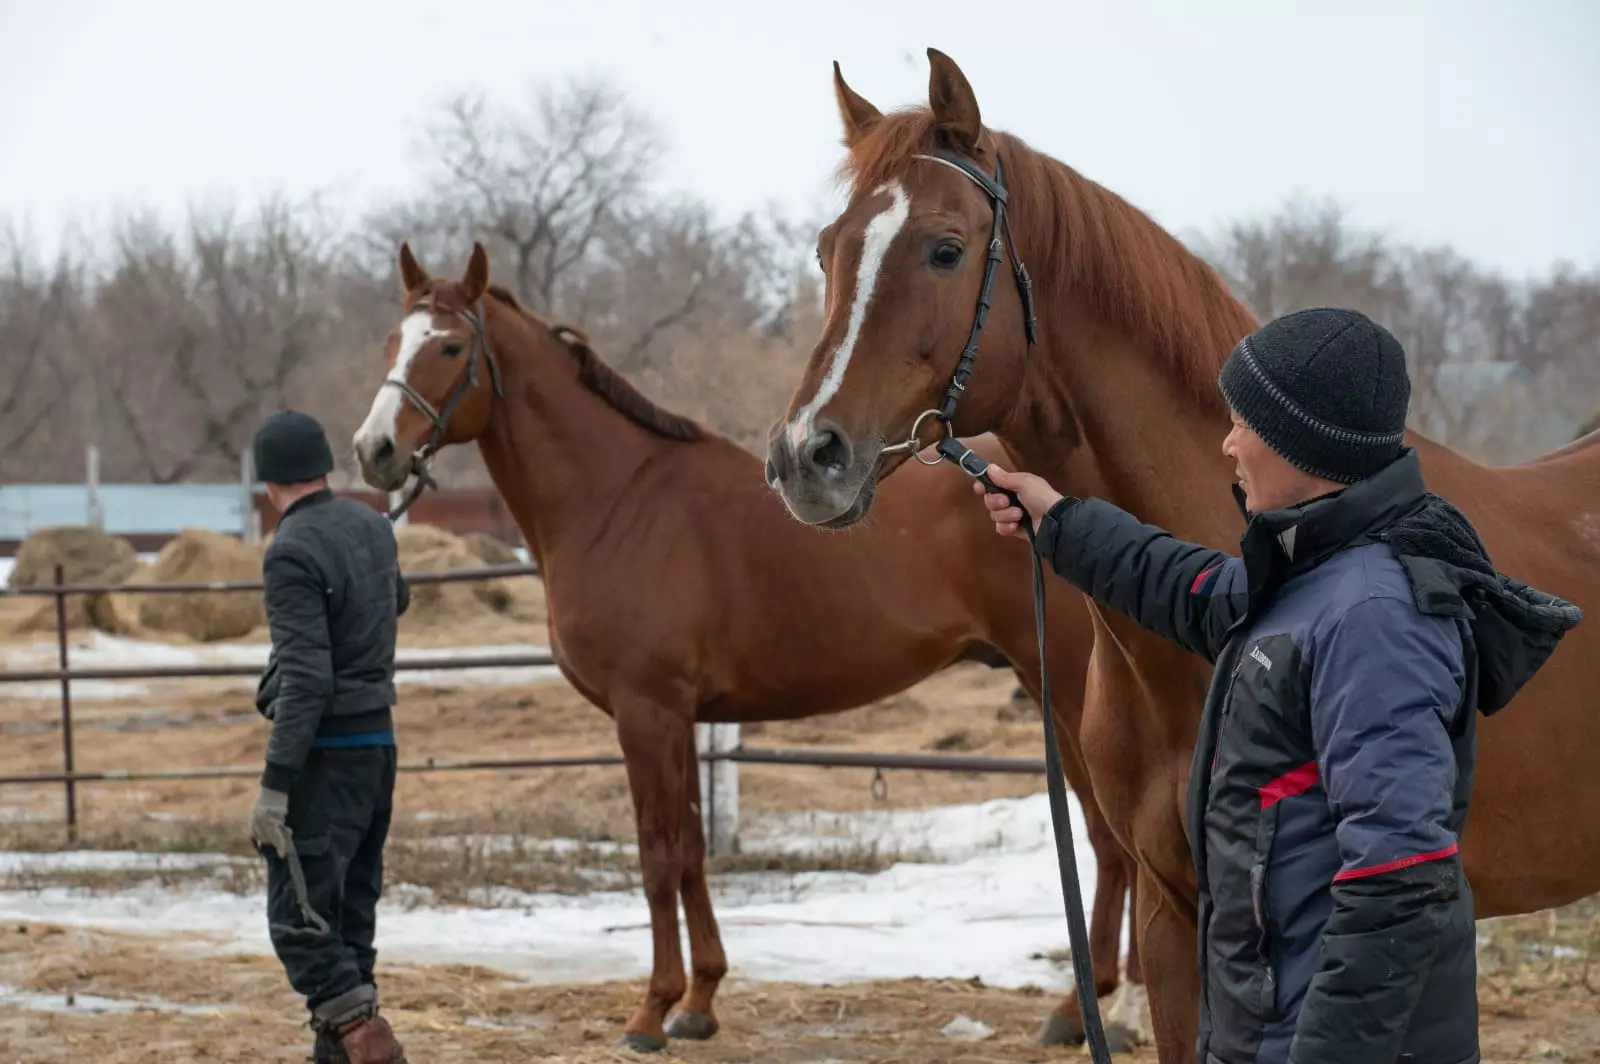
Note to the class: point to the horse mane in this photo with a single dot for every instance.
(605, 381)
(1129, 270)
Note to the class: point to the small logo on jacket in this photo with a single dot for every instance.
(1266, 662)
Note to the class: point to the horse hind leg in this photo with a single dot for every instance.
(697, 1021)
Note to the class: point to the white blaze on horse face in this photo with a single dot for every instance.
(880, 234)
(415, 332)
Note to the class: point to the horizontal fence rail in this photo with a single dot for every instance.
(1021, 766)
(490, 572)
(745, 755)
(182, 672)
(718, 752)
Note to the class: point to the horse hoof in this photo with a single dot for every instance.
(1062, 1031)
(1120, 1039)
(694, 1026)
(642, 1043)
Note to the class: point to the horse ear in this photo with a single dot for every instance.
(858, 115)
(412, 275)
(955, 105)
(476, 280)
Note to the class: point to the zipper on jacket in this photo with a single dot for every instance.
(1258, 879)
(1258, 903)
(1227, 708)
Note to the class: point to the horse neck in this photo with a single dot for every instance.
(1111, 406)
(556, 450)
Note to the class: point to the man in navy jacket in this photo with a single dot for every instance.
(1352, 638)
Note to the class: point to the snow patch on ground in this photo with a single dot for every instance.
(987, 906)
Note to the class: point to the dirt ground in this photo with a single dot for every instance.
(179, 998)
(184, 998)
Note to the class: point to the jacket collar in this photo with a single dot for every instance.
(316, 498)
(1280, 544)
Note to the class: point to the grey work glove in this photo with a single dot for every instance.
(267, 821)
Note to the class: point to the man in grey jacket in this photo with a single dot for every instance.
(334, 593)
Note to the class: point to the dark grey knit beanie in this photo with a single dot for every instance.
(291, 448)
(1325, 388)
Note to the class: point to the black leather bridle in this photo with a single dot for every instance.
(1000, 240)
(950, 449)
(422, 457)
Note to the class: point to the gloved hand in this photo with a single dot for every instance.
(268, 818)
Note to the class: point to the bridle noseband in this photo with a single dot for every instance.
(996, 189)
(422, 457)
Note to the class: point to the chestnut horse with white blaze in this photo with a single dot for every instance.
(1112, 392)
(679, 590)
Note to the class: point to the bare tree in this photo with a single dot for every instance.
(1303, 255)
(39, 310)
(1497, 368)
(544, 183)
(197, 341)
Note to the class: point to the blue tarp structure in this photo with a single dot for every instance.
(127, 509)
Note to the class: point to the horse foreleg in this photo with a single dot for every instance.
(1133, 970)
(653, 742)
(1166, 934)
(1065, 1025)
(706, 958)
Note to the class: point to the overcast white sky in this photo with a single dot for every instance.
(1471, 122)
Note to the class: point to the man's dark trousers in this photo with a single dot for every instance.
(339, 811)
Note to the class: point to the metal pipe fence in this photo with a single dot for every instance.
(65, 675)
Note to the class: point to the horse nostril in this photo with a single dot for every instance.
(827, 451)
(384, 450)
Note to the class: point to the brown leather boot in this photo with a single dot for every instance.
(370, 1040)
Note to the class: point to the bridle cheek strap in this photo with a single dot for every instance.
(1000, 241)
(440, 419)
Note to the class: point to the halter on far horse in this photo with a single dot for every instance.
(422, 457)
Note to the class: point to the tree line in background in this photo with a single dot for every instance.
(164, 345)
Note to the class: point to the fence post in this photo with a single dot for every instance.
(250, 531)
(97, 516)
(395, 499)
(719, 788)
(66, 704)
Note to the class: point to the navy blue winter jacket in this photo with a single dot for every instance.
(1352, 638)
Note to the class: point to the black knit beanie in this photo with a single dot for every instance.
(291, 448)
(1325, 388)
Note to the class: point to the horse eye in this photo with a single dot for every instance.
(946, 256)
(452, 350)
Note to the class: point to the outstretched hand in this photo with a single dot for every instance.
(1035, 494)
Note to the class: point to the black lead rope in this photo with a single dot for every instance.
(975, 465)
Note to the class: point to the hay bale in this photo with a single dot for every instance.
(87, 555)
(430, 549)
(199, 555)
(491, 550)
